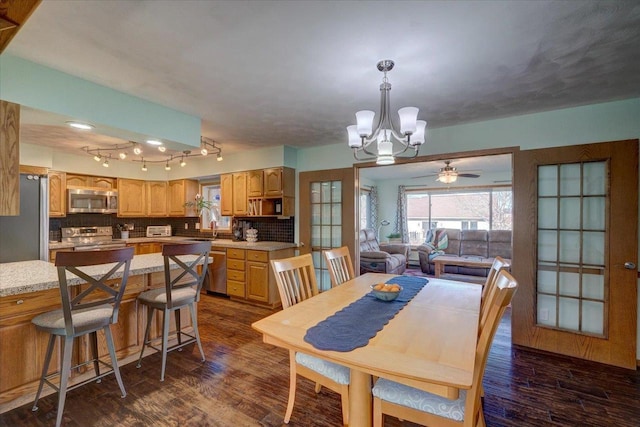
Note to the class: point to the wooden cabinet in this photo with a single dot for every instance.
(180, 192)
(57, 194)
(255, 183)
(240, 193)
(22, 364)
(91, 181)
(156, 192)
(148, 248)
(226, 194)
(236, 272)
(9, 159)
(250, 278)
(131, 197)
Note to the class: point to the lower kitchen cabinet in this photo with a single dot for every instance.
(250, 277)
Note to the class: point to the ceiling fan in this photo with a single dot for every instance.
(449, 174)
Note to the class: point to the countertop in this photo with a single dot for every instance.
(217, 243)
(30, 276)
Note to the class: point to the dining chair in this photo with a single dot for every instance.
(183, 290)
(86, 309)
(296, 280)
(489, 288)
(339, 265)
(418, 406)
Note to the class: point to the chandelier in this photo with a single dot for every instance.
(378, 143)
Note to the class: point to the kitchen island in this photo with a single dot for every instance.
(29, 288)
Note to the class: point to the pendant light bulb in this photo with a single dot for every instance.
(144, 167)
(97, 157)
(219, 158)
(106, 163)
(182, 162)
(167, 167)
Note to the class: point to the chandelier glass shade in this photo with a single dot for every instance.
(380, 142)
(447, 177)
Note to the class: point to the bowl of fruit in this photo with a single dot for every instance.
(386, 291)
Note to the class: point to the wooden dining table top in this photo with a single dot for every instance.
(429, 344)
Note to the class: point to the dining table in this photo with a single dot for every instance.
(429, 344)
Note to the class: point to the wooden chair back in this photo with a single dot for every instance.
(489, 287)
(188, 275)
(497, 302)
(296, 279)
(339, 265)
(98, 292)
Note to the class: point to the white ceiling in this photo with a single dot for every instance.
(265, 73)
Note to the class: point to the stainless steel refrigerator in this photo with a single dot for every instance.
(26, 237)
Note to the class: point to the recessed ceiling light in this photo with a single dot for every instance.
(154, 142)
(80, 125)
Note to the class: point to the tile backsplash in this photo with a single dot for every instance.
(271, 229)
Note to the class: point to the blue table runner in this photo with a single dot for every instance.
(357, 323)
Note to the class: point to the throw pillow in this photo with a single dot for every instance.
(443, 241)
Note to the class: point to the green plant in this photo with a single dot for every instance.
(394, 236)
(200, 204)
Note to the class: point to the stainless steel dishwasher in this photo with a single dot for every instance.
(216, 279)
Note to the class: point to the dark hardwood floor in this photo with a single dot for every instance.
(244, 383)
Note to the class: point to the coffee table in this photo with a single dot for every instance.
(442, 260)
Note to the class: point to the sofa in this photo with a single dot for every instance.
(381, 258)
(479, 244)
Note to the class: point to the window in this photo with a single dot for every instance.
(487, 209)
(365, 209)
(211, 192)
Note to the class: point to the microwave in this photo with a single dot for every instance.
(81, 200)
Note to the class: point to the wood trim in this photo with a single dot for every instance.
(14, 13)
(34, 170)
(9, 158)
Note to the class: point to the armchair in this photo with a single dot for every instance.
(385, 258)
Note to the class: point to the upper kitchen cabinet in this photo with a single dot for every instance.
(279, 182)
(131, 197)
(180, 192)
(57, 194)
(91, 181)
(226, 194)
(240, 204)
(156, 192)
(9, 159)
(255, 183)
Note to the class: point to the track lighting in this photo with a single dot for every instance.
(162, 148)
(137, 150)
(106, 163)
(219, 157)
(209, 146)
(204, 151)
(167, 167)
(122, 155)
(144, 166)
(182, 162)
(97, 157)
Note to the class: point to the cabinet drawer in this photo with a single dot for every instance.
(260, 256)
(235, 264)
(235, 275)
(36, 302)
(235, 253)
(235, 288)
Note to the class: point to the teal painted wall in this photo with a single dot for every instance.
(43, 88)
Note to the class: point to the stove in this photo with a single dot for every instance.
(90, 238)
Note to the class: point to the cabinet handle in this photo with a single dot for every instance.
(20, 301)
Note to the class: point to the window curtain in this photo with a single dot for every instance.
(401, 214)
(373, 207)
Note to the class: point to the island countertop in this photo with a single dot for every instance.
(31, 276)
(217, 243)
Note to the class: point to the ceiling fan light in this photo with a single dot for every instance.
(364, 122)
(354, 139)
(448, 178)
(408, 117)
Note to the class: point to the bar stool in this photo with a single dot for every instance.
(83, 312)
(181, 291)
